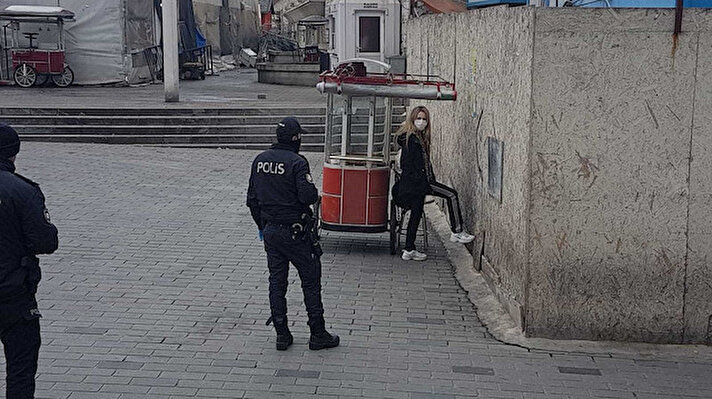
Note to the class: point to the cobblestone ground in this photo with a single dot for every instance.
(159, 290)
(236, 88)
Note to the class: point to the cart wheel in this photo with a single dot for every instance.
(393, 227)
(25, 76)
(202, 75)
(65, 79)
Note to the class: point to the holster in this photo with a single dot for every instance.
(311, 234)
(34, 273)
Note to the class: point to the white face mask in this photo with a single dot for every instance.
(420, 124)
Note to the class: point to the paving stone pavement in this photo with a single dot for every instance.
(235, 88)
(159, 290)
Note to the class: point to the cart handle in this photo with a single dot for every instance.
(356, 158)
(387, 67)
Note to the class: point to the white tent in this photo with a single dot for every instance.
(110, 41)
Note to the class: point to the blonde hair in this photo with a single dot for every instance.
(408, 127)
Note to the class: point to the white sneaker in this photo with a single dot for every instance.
(461, 237)
(413, 255)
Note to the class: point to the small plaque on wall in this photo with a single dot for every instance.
(495, 151)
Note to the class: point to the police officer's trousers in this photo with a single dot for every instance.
(20, 336)
(282, 249)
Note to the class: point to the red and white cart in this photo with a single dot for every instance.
(35, 59)
(358, 144)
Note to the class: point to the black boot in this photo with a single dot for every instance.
(323, 340)
(320, 338)
(284, 336)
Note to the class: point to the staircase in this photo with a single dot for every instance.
(243, 128)
(240, 128)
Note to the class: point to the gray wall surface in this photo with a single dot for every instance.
(490, 62)
(612, 113)
(288, 74)
(698, 300)
(603, 230)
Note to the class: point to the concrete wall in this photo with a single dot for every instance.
(488, 54)
(612, 117)
(603, 231)
(698, 299)
(288, 74)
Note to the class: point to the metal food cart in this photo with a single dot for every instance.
(358, 147)
(24, 60)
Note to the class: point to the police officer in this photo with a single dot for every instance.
(280, 192)
(25, 231)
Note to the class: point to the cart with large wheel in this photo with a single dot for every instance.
(358, 149)
(33, 45)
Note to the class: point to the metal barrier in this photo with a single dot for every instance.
(199, 57)
(152, 58)
(154, 61)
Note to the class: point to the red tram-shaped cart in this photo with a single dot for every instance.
(358, 147)
(40, 54)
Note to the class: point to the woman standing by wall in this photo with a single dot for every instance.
(418, 180)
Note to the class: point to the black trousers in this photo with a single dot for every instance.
(453, 204)
(282, 249)
(20, 336)
(416, 212)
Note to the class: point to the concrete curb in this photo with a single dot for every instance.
(501, 327)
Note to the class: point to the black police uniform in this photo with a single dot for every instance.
(280, 192)
(25, 231)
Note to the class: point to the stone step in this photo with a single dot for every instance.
(306, 147)
(309, 143)
(266, 111)
(263, 111)
(138, 130)
(207, 127)
(126, 120)
(129, 130)
(133, 120)
(221, 139)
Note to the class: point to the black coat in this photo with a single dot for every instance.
(25, 231)
(281, 187)
(414, 183)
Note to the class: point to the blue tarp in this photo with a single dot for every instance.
(199, 38)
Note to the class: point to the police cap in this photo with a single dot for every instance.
(287, 129)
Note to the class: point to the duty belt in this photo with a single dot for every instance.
(296, 228)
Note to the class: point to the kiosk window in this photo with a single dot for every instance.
(369, 30)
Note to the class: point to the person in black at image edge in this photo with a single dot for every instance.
(25, 232)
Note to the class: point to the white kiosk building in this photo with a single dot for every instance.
(363, 29)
